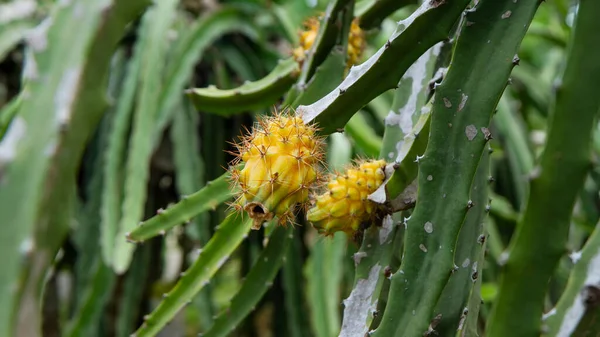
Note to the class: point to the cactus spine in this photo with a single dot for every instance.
(281, 159)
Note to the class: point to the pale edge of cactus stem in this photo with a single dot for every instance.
(462, 109)
(251, 95)
(371, 262)
(371, 13)
(209, 197)
(144, 118)
(460, 299)
(374, 252)
(66, 63)
(256, 283)
(409, 99)
(18, 19)
(188, 51)
(542, 232)
(429, 24)
(572, 314)
(229, 235)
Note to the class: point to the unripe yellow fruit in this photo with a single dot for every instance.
(281, 159)
(345, 205)
(356, 41)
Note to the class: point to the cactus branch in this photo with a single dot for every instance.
(428, 25)
(461, 113)
(542, 232)
(255, 285)
(249, 96)
(230, 234)
(209, 197)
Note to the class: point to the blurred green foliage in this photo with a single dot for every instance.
(116, 123)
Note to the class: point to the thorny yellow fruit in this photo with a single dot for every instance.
(344, 207)
(356, 41)
(281, 158)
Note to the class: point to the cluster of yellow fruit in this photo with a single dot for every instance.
(282, 162)
(278, 167)
(356, 41)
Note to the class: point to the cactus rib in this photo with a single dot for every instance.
(461, 113)
(382, 71)
(553, 189)
(209, 197)
(255, 285)
(249, 96)
(144, 119)
(371, 262)
(459, 300)
(230, 234)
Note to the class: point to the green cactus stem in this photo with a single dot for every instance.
(256, 283)
(543, 230)
(209, 197)
(428, 25)
(372, 12)
(65, 75)
(189, 49)
(137, 170)
(460, 299)
(229, 235)
(461, 114)
(249, 96)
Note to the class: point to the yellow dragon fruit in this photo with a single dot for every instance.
(281, 159)
(356, 41)
(344, 207)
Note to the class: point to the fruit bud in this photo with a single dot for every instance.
(345, 204)
(281, 160)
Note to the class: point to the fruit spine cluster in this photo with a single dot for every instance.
(282, 160)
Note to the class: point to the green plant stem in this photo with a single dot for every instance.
(462, 110)
(543, 230)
